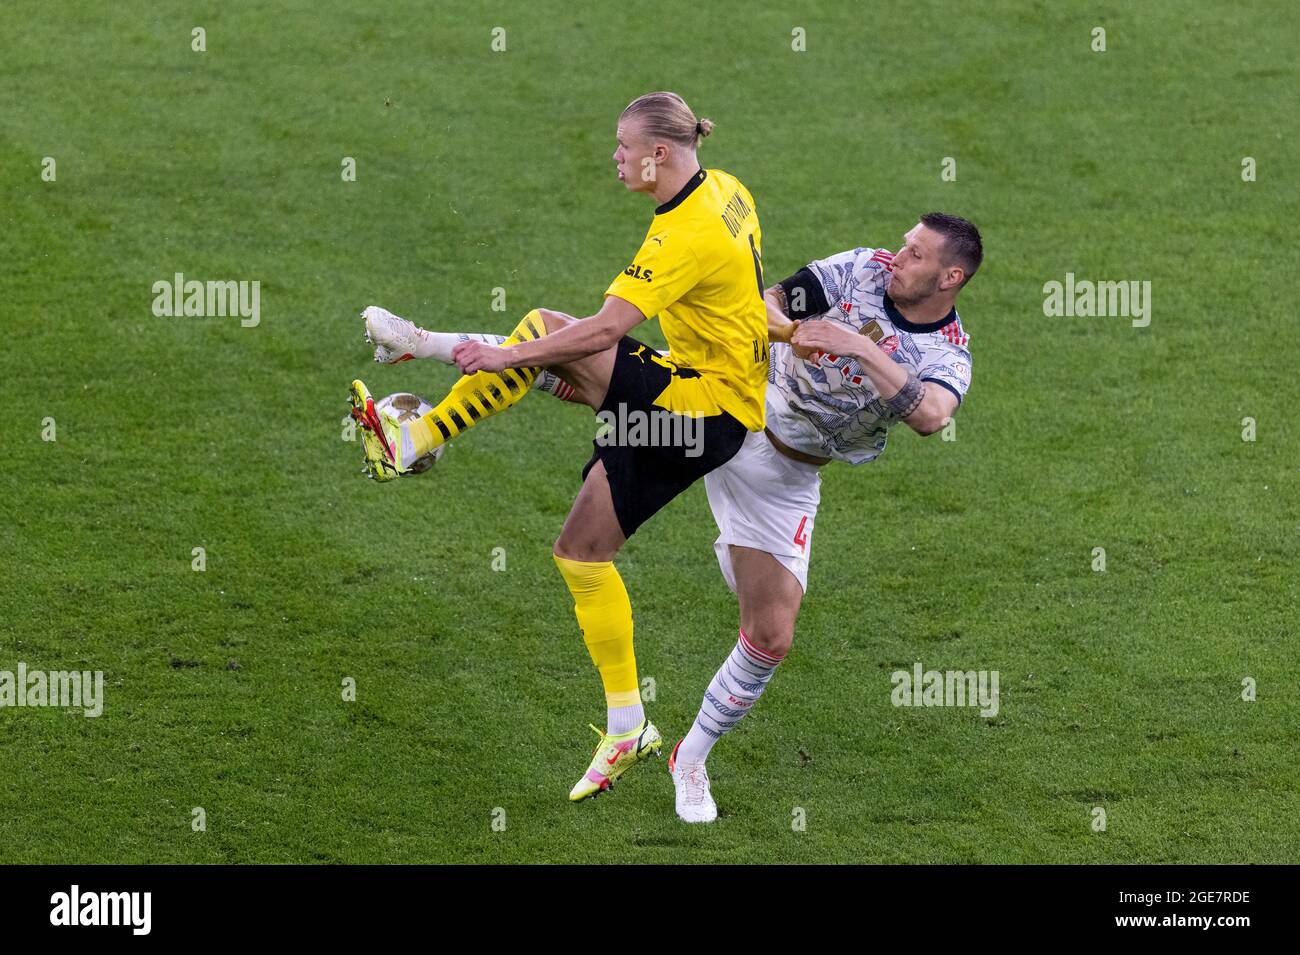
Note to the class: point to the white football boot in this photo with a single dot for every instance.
(694, 801)
(395, 338)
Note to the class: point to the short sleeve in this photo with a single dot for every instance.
(947, 366)
(664, 269)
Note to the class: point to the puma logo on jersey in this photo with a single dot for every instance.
(637, 354)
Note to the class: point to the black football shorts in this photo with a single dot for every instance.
(651, 454)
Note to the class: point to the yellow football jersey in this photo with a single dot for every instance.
(700, 270)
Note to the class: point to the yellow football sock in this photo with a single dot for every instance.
(478, 396)
(605, 616)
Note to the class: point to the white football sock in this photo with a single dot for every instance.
(735, 688)
(553, 384)
(625, 719)
(440, 344)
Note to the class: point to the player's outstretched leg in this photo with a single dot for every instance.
(391, 448)
(397, 339)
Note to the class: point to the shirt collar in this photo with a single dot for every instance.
(896, 317)
(691, 185)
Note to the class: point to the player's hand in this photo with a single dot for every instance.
(472, 357)
(812, 338)
(786, 334)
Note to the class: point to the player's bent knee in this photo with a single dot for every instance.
(773, 639)
(565, 550)
(587, 551)
(554, 321)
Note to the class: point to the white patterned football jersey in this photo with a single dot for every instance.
(828, 406)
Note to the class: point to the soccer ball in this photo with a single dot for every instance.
(407, 407)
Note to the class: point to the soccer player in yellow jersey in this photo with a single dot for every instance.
(673, 419)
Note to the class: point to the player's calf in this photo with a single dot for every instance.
(732, 693)
(397, 339)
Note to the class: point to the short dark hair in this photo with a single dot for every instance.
(961, 240)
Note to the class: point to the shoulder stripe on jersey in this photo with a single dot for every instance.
(954, 333)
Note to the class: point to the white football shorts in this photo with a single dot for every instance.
(762, 499)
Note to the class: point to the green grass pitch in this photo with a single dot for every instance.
(479, 169)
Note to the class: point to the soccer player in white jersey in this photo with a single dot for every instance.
(860, 341)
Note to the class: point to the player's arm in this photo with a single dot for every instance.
(574, 341)
(800, 297)
(779, 324)
(925, 407)
(665, 268)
